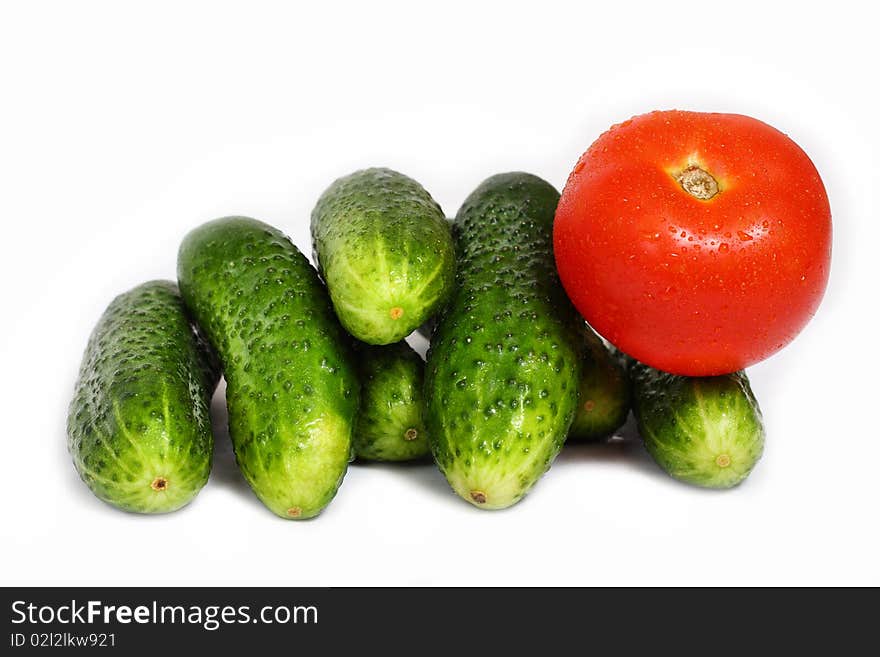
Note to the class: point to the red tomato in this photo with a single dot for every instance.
(697, 243)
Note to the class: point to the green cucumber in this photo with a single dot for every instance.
(705, 431)
(390, 424)
(139, 428)
(385, 250)
(501, 380)
(292, 390)
(603, 393)
(426, 328)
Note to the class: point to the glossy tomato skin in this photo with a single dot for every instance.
(690, 286)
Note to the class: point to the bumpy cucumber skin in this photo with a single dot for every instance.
(292, 390)
(426, 328)
(390, 424)
(501, 380)
(385, 250)
(603, 393)
(139, 428)
(705, 431)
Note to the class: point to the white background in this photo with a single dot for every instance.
(123, 126)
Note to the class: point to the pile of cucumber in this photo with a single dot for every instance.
(318, 372)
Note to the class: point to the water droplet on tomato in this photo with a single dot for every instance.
(723, 248)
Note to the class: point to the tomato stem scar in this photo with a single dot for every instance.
(698, 183)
